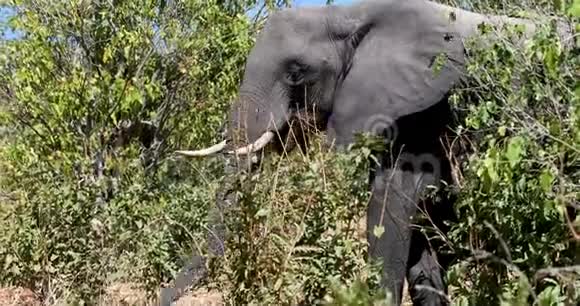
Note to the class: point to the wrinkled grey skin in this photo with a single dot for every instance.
(374, 60)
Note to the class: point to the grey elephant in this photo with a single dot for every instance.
(383, 67)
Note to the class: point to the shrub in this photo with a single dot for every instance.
(296, 232)
(520, 185)
(94, 94)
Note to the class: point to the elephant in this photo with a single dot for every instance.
(383, 67)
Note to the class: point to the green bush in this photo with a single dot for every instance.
(521, 113)
(94, 96)
(297, 230)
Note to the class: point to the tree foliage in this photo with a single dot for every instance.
(95, 94)
(518, 203)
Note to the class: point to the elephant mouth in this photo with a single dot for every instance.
(256, 146)
(297, 112)
(303, 118)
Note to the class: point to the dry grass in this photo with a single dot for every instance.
(130, 294)
(12, 296)
(122, 294)
(125, 294)
(201, 297)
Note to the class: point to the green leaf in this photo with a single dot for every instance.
(107, 55)
(501, 130)
(574, 9)
(546, 179)
(262, 212)
(551, 59)
(515, 150)
(378, 231)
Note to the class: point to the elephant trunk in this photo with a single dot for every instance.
(252, 123)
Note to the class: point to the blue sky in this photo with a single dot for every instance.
(5, 13)
(320, 2)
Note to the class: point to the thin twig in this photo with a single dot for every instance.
(501, 241)
(555, 272)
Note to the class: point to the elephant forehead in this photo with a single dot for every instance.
(303, 22)
(273, 48)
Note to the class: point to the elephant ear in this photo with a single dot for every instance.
(403, 57)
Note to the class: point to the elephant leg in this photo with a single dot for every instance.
(217, 230)
(391, 208)
(195, 270)
(426, 286)
(393, 205)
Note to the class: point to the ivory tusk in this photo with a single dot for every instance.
(205, 152)
(257, 145)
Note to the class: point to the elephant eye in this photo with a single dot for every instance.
(295, 73)
(294, 78)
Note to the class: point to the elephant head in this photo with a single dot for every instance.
(343, 65)
(356, 69)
